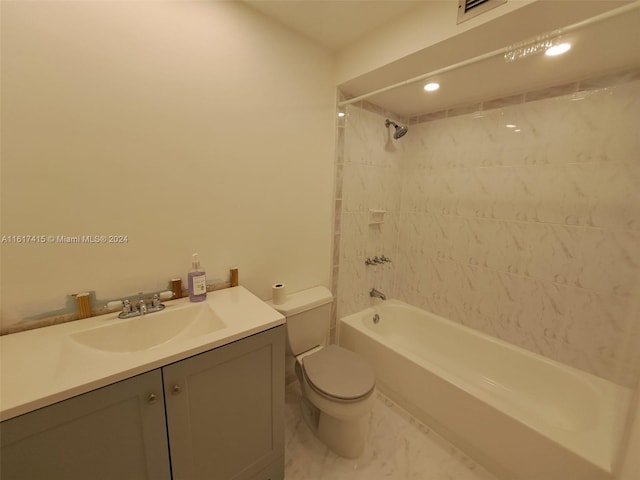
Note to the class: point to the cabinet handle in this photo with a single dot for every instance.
(152, 398)
(176, 389)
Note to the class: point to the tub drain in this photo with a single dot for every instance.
(376, 318)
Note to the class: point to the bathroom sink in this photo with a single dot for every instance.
(151, 330)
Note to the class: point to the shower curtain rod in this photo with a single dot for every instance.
(500, 51)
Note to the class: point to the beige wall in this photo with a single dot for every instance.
(186, 126)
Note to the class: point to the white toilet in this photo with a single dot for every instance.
(337, 385)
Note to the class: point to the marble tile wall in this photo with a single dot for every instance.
(370, 179)
(521, 221)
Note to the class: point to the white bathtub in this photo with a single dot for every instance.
(521, 415)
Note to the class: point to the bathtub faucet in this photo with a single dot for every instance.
(376, 293)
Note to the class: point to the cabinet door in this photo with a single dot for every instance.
(225, 411)
(115, 432)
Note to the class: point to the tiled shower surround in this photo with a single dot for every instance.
(521, 221)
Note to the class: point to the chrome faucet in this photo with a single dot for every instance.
(141, 307)
(377, 260)
(376, 293)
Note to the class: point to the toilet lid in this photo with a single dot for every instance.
(339, 373)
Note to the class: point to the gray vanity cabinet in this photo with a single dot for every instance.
(113, 432)
(225, 411)
(214, 416)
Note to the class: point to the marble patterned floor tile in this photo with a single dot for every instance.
(398, 447)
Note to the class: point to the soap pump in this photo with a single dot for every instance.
(197, 281)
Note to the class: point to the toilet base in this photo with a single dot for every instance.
(310, 414)
(343, 427)
(346, 438)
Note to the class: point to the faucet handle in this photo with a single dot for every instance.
(155, 301)
(127, 309)
(380, 260)
(166, 295)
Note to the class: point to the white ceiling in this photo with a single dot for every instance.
(605, 47)
(333, 24)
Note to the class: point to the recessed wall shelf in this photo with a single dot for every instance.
(376, 216)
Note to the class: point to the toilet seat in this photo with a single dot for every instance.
(338, 374)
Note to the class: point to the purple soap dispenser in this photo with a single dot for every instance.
(197, 281)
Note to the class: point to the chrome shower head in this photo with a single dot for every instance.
(400, 131)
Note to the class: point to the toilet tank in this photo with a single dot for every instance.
(308, 316)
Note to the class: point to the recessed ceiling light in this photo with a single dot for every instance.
(557, 49)
(510, 125)
(341, 114)
(432, 87)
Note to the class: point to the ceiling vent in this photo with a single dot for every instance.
(472, 8)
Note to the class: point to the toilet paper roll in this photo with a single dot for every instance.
(279, 293)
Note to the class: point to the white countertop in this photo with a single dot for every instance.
(43, 366)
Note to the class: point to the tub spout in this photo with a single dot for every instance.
(376, 293)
